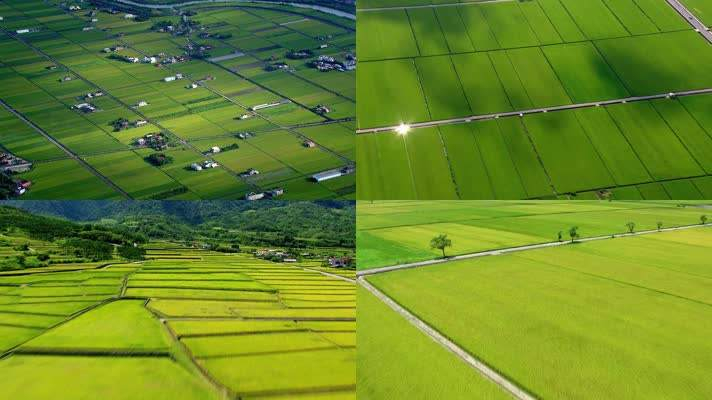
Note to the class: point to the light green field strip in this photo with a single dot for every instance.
(318, 371)
(478, 228)
(548, 296)
(701, 8)
(92, 377)
(97, 329)
(386, 339)
(255, 344)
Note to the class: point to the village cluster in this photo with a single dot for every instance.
(289, 257)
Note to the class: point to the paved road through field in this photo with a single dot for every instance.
(522, 113)
(691, 19)
(439, 338)
(520, 248)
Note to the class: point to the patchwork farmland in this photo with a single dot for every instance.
(623, 316)
(540, 99)
(203, 105)
(185, 324)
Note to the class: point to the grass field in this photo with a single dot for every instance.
(184, 324)
(614, 318)
(395, 232)
(230, 77)
(487, 58)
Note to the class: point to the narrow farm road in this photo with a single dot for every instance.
(691, 19)
(439, 338)
(343, 278)
(65, 149)
(521, 113)
(519, 249)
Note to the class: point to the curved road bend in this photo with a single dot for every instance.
(440, 339)
(522, 113)
(69, 152)
(190, 3)
(520, 248)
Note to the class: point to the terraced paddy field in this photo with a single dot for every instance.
(185, 324)
(221, 92)
(397, 232)
(541, 99)
(621, 317)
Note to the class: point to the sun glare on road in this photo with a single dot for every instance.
(403, 129)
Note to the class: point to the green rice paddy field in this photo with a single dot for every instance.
(33, 65)
(185, 324)
(615, 318)
(396, 232)
(435, 63)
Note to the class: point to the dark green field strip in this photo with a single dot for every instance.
(547, 154)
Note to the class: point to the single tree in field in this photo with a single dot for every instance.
(660, 225)
(573, 233)
(561, 236)
(703, 219)
(631, 227)
(440, 242)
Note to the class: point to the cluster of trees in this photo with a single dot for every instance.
(441, 242)
(158, 159)
(275, 223)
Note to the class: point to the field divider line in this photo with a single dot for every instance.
(536, 246)
(224, 390)
(521, 113)
(449, 345)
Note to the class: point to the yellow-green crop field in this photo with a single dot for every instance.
(620, 317)
(185, 324)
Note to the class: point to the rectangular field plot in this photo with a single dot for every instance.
(309, 371)
(566, 312)
(97, 330)
(255, 344)
(85, 377)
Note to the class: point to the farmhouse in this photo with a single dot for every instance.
(192, 86)
(196, 167)
(84, 107)
(244, 135)
(322, 109)
(340, 262)
(331, 174)
(24, 30)
(74, 7)
(87, 28)
(309, 143)
(141, 103)
(215, 149)
(252, 196)
(245, 116)
(129, 16)
(11, 163)
(149, 60)
(249, 172)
